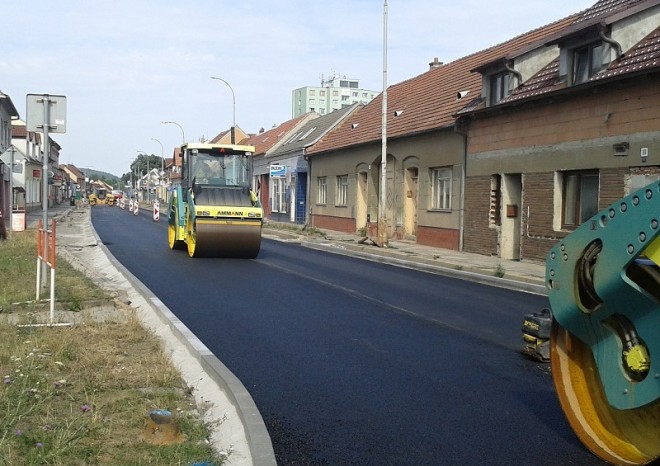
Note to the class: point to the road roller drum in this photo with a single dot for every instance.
(604, 288)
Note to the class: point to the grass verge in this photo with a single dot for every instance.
(81, 395)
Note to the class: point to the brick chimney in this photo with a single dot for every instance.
(435, 64)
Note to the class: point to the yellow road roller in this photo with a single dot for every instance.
(603, 283)
(214, 212)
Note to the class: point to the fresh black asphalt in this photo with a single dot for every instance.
(354, 362)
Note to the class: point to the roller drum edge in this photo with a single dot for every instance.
(232, 239)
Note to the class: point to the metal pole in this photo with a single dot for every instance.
(183, 135)
(162, 162)
(44, 175)
(11, 192)
(382, 223)
(233, 98)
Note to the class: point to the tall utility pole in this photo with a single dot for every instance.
(382, 221)
(233, 99)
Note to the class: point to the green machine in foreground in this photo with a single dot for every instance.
(604, 288)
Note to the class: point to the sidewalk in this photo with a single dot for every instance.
(32, 217)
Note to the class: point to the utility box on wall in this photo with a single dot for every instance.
(511, 210)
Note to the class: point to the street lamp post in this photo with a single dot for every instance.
(162, 162)
(382, 221)
(183, 135)
(233, 98)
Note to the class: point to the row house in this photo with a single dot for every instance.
(28, 167)
(289, 167)
(225, 136)
(8, 113)
(504, 151)
(426, 155)
(77, 183)
(548, 148)
(264, 143)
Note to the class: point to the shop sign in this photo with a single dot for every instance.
(277, 171)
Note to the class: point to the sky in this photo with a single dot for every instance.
(125, 66)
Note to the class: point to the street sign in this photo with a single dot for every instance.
(36, 113)
(5, 157)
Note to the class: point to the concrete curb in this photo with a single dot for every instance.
(386, 256)
(258, 439)
(438, 269)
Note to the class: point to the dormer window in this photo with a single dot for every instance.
(589, 61)
(498, 80)
(585, 55)
(500, 87)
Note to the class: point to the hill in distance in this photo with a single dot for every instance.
(97, 174)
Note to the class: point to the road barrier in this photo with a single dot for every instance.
(46, 254)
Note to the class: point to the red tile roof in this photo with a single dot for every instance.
(428, 101)
(605, 8)
(644, 56)
(262, 142)
(18, 131)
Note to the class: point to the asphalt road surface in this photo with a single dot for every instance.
(354, 362)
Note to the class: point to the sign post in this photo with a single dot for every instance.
(46, 113)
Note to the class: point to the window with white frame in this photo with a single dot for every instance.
(342, 190)
(588, 61)
(322, 192)
(582, 58)
(278, 203)
(441, 188)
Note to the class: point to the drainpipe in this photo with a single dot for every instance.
(612, 42)
(461, 221)
(309, 183)
(516, 73)
(461, 233)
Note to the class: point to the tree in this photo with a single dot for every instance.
(141, 165)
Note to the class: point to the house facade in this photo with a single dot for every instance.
(288, 166)
(27, 172)
(425, 162)
(547, 153)
(77, 184)
(265, 142)
(8, 113)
